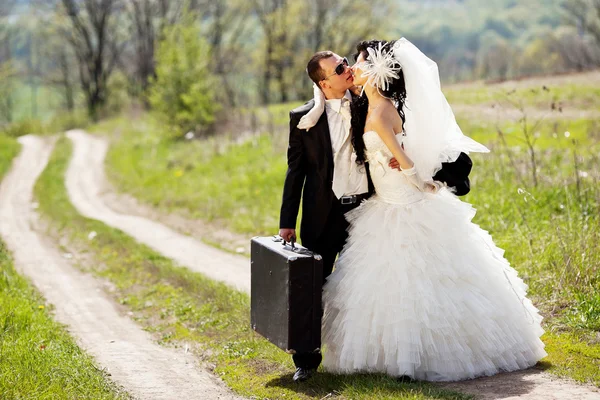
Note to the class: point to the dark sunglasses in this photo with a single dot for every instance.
(340, 68)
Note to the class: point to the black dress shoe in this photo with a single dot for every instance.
(405, 379)
(302, 374)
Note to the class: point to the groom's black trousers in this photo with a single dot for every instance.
(329, 243)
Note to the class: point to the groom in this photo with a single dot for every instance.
(322, 173)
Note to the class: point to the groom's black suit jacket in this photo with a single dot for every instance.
(310, 166)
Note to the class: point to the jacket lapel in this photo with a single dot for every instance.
(323, 129)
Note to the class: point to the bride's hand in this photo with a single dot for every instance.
(311, 118)
(356, 90)
(433, 186)
(394, 164)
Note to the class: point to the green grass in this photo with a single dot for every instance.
(570, 96)
(549, 226)
(38, 358)
(239, 186)
(208, 179)
(549, 231)
(570, 355)
(545, 134)
(184, 308)
(59, 123)
(9, 148)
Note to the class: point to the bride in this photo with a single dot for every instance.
(419, 290)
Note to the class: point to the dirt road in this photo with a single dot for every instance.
(145, 369)
(85, 182)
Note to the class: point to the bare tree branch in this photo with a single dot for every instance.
(95, 45)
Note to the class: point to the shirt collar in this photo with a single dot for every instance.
(336, 104)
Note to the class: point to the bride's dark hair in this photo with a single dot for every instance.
(360, 105)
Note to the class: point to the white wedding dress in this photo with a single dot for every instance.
(420, 290)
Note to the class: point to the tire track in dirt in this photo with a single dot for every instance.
(145, 369)
(85, 180)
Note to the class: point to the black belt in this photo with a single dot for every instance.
(355, 198)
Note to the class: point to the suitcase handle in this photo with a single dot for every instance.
(290, 246)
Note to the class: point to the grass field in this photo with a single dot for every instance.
(537, 193)
(38, 358)
(183, 308)
(570, 96)
(575, 91)
(548, 230)
(213, 180)
(9, 148)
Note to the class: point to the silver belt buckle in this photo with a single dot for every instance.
(348, 199)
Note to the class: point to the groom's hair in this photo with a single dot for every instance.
(315, 72)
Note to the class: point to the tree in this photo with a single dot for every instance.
(7, 73)
(92, 32)
(226, 27)
(594, 23)
(272, 18)
(540, 56)
(340, 25)
(148, 19)
(64, 79)
(495, 57)
(182, 94)
(578, 53)
(7, 70)
(292, 30)
(585, 16)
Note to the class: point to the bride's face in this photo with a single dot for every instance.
(357, 71)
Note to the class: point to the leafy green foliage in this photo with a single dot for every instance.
(503, 38)
(24, 127)
(182, 93)
(7, 76)
(59, 123)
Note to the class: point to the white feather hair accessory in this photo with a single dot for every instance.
(380, 68)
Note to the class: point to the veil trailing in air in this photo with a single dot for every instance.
(432, 134)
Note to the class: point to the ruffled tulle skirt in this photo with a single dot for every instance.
(420, 290)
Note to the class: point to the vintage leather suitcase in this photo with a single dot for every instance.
(285, 294)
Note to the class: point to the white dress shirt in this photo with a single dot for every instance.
(348, 177)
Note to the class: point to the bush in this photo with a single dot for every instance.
(182, 96)
(65, 120)
(119, 98)
(60, 122)
(24, 127)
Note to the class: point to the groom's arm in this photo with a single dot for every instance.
(294, 178)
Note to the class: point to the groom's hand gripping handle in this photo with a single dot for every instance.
(288, 234)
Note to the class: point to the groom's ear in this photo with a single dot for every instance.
(323, 85)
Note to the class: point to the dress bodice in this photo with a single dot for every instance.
(390, 184)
